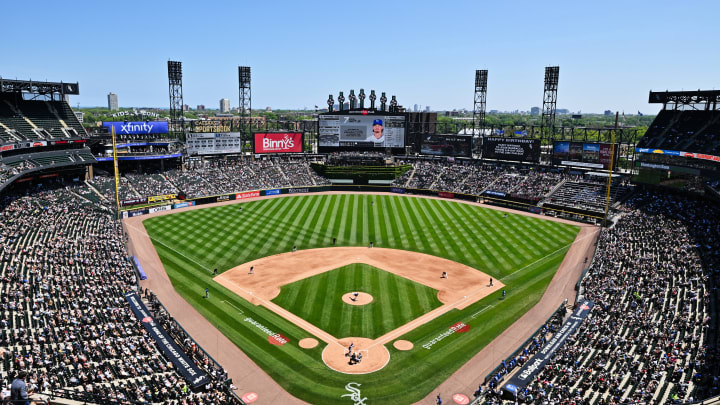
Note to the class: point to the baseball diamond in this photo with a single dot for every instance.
(519, 252)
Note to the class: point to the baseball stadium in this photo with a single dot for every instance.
(358, 254)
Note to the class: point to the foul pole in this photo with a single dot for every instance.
(612, 160)
(117, 174)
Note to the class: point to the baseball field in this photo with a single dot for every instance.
(520, 253)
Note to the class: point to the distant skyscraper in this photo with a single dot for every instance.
(427, 108)
(415, 108)
(224, 105)
(186, 107)
(113, 102)
(200, 107)
(535, 111)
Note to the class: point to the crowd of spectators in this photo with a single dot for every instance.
(65, 321)
(652, 336)
(6, 172)
(529, 184)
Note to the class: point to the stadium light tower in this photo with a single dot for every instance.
(245, 94)
(177, 121)
(552, 75)
(481, 77)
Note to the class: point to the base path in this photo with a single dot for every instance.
(250, 378)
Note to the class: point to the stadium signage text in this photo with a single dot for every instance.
(249, 194)
(298, 190)
(459, 327)
(160, 208)
(137, 127)
(273, 338)
(278, 142)
(184, 204)
(275, 191)
(165, 197)
(538, 362)
(445, 194)
(223, 198)
(495, 193)
(397, 190)
(354, 393)
(187, 368)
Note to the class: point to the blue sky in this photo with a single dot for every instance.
(610, 53)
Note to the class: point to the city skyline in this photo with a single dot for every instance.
(610, 57)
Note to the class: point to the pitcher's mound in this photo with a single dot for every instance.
(403, 345)
(362, 298)
(308, 343)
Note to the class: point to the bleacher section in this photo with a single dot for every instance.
(22, 120)
(585, 196)
(684, 130)
(17, 165)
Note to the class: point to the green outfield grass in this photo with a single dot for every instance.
(396, 301)
(522, 252)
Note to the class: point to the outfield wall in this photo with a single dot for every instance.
(516, 203)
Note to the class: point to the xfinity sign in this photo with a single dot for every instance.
(278, 142)
(137, 128)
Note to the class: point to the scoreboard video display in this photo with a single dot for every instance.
(514, 149)
(583, 154)
(362, 129)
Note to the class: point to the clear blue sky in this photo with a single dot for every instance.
(610, 53)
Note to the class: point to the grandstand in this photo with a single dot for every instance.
(651, 336)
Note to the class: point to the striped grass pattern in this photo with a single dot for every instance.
(396, 301)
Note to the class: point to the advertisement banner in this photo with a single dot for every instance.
(495, 193)
(148, 157)
(160, 208)
(137, 128)
(272, 192)
(446, 145)
(278, 142)
(659, 151)
(397, 190)
(538, 362)
(249, 194)
(136, 213)
(158, 198)
(514, 149)
(223, 198)
(445, 194)
(183, 364)
(132, 201)
(298, 190)
(183, 204)
(579, 154)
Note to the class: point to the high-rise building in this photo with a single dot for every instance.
(427, 108)
(415, 108)
(113, 102)
(186, 107)
(535, 111)
(224, 105)
(200, 107)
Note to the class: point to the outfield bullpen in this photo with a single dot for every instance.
(520, 251)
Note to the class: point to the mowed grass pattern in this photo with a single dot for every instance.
(521, 251)
(396, 301)
(225, 237)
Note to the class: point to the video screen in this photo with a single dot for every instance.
(361, 131)
(446, 145)
(514, 149)
(590, 155)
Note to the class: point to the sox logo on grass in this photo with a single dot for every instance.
(354, 393)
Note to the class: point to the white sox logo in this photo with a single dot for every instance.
(355, 393)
